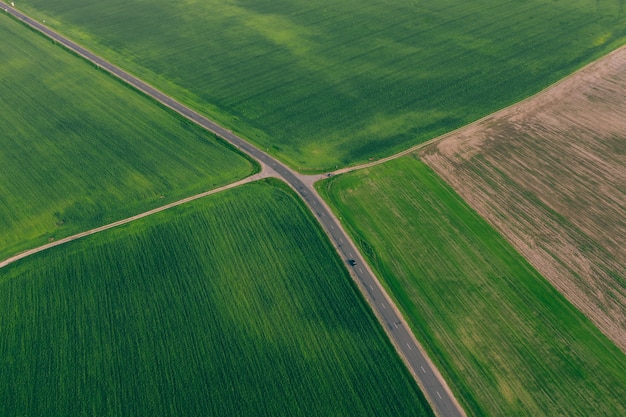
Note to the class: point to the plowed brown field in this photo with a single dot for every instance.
(550, 174)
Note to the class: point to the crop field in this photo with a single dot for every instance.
(551, 177)
(235, 304)
(507, 342)
(79, 149)
(321, 83)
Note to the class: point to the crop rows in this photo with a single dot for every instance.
(231, 305)
(507, 342)
(551, 177)
(79, 149)
(323, 83)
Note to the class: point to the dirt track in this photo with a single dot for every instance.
(263, 174)
(550, 175)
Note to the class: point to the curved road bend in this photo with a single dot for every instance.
(427, 376)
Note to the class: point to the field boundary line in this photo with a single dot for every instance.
(503, 111)
(22, 255)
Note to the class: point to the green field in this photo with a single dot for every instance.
(505, 340)
(323, 83)
(79, 149)
(235, 304)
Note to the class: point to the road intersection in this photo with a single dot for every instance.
(423, 370)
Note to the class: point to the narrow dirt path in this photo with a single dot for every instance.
(22, 255)
(511, 109)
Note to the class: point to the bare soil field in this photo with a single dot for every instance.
(550, 175)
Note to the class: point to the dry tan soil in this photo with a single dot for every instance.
(550, 175)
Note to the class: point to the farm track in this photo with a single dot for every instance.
(426, 375)
(499, 113)
(263, 174)
(553, 249)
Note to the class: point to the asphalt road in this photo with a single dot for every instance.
(420, 366)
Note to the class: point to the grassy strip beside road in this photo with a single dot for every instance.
(506, 341)
(231, 305)
(80, 149)
(323, 83)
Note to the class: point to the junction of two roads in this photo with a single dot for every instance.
(425, 373)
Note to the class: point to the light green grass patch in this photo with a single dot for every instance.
(311, 80)
(79, 149)
(233, 305)
(505, 340)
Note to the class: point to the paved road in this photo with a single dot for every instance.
(423, 370)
